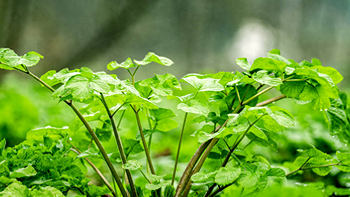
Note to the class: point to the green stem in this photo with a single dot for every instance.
(257, 95)
(143, 174)
(271, 100)
(144, 141)
(120, 119)
(295, 79)
(248, 143)
(227, 158)
(119, 144)
(93, 135)
(187, 174)
(239, 97)
(219, 190)
(117, 110)
(320, 166)
(99, 173)
(178, 148)
(200, 164)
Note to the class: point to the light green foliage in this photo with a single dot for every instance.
(227, 106)
(205, 84)
(10, 60)
(263, 77)
(132, 165)
(151, 57)
(243, 63)
(126, 64)
(161, 85)
(23, 172)
(226, 175)
(194, 106)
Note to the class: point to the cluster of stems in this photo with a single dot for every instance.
(194, 165)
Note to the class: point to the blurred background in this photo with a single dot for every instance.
(199, 36)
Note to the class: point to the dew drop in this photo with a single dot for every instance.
(273, 102)
(333, 136)
(320, 109)
(326, 109)
(70, 139)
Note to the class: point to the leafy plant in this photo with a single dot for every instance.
(227, 106)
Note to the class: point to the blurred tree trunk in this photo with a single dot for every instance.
(110, 34)
(13, 18)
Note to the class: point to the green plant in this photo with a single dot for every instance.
(226, 105)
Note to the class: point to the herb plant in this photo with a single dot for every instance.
(226, 105)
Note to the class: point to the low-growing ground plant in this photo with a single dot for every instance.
(227, 106)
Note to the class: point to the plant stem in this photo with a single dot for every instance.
(295, 79)
(144, 142)
(179, 147)
(257, 95)
(145, 176)
(231, 151)
(99, 173)
(248, 143)
(100, 147)
(200, 164)
(302, 167)
(186, 175)
(220, 189)
(93, 135)
(239, 97)
(119, 144)
(120, 119)
(271, 100)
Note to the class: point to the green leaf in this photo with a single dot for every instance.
(202, 85)
(162, 113)
(132, 165)
(91, 152)
(268, 64)
(275, 51)
(23, 172)
(344, 159)
(169, 191)
(150, 186)
(271, 177)
(46, 191)
(263, 77)
(15, 190)
(227, 176)
(194, 106)
(54, 133)
(126, 64)
(319, 95)
(154, 178)
(258, 132)
(11, 59)
(248, 179)
(2, 146)
(133, 99)
(49, 78)
(277, 56)
(151, 57)
(166, 124)
(243, 63)
(203, 177)
(103, 134)
(161, 85)
(292, 89)
(5, 67)
(132, 146)
(331, 72)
